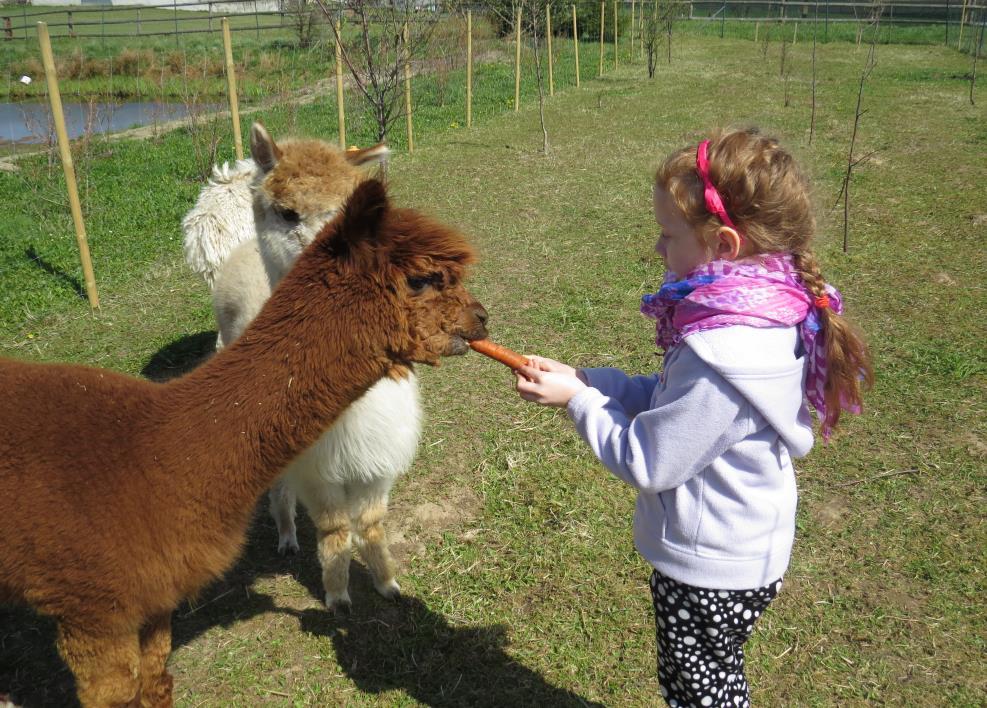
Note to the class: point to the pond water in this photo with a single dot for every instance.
(28, 123)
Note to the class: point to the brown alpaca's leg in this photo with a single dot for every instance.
(155, 644)
(371, 540)
(106, 666)
(333, 528)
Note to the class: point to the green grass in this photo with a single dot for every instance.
(522, 584)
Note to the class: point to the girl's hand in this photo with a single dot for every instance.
(543, 363)
(549, 382)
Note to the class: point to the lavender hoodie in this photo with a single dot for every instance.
(709, 447)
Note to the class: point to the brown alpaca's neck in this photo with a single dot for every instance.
(256, 405)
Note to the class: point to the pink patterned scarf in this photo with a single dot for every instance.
(765, 291)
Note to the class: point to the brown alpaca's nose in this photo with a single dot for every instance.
(481, 313)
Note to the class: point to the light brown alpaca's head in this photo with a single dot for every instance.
(393, 279)
(301, 185)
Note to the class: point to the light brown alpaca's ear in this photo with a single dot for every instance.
(378, 153)
(361, 217)
(263, 149)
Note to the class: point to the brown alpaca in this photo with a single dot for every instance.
(122, 497)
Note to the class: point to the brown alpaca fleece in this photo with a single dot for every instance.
(121, 497)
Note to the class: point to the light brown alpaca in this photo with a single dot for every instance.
(121, 497)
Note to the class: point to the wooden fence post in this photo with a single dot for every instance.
(68, 167)
(407, 88)
(469, 68)
(603, 14)
(632, 30)
(517, 60)
(231, 88)
(139, 21)
(548, 36)
(575, 42)
(340, 108)
(616, 26)
(959, 40)
(8, 31)
(640, 29)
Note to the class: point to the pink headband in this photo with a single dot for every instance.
(713, 201)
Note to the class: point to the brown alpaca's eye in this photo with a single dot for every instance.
(288, 215)
(417, 284)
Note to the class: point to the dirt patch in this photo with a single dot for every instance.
(411, 527)
(830, 512)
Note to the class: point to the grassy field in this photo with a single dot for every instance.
(522, 585)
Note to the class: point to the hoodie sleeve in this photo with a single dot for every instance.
(697, 418)
(633, 392)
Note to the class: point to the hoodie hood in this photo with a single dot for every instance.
(767, 366)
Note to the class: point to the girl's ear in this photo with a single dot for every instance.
(727, 243)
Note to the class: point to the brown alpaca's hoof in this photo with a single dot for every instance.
(158, 694)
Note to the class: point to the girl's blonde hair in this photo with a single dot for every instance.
(768, 198)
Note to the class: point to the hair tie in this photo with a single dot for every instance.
(822, 302)
(713, 201)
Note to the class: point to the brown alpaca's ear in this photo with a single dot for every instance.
(361, 217)
(263, 149)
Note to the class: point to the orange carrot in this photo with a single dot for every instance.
(502, 354)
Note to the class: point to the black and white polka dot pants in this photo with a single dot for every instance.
(701, 635)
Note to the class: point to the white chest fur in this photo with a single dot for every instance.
(374, 440)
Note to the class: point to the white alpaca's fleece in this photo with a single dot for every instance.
(221, 219)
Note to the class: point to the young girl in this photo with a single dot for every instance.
(750, 331)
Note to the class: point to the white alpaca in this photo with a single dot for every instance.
(345, 478)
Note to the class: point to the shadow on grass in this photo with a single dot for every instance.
(381, 645)
(32, 673)
(407, 646)
(180, 357)
(31, 253)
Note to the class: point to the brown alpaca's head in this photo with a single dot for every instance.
(394, 278)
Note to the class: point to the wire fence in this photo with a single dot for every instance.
(196, 16)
